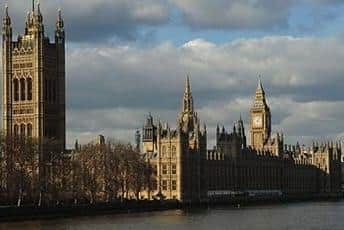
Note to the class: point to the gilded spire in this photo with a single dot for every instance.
(260, 94)
(260, 88)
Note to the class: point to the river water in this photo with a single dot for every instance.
(300, 216)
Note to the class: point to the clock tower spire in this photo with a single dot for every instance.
(260, 119)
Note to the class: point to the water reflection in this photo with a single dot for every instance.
(301, 216)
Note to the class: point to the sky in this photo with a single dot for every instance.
(126, 59)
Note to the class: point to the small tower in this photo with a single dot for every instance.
(241, 132)
(138, 141)
(188, 118)
(149, 135)
(7, 72)
(217, 133)
(76, 145)
(59, 32)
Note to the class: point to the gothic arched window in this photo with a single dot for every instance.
(174, 151)
(16, 89)
(29, 89)
(16, 130)
(163, 152)
(22, 129)
(29, 130)
(22, 89)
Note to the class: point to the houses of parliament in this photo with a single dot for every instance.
(34, 105)
(186, 170)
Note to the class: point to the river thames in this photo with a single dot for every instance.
(300, 216)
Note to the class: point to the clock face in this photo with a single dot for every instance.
(257, 121)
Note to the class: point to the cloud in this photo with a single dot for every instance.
(123, 20)
(97, 20)
(236, 14)
(242, 14)
(112, 88)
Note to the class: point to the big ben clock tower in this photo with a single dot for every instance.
(260, 119)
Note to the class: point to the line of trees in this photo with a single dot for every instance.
(33, 173)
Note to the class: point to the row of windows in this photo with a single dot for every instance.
(173, 185)
(164, 151)
(173, 169)
(23, 129)
(50, 90)
(22, 89)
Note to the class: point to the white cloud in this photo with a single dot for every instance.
(112, 88)
(302, 78)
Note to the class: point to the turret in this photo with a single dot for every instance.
(39, 17)
(6, 72)
(149, 130)
(217, 131)
(34, 23)
(59, 32)
(137, 140)
(241, 131)
(204, 129)
(6, 26)
(76, 145)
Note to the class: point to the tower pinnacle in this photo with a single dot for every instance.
(6, 19)
(187, 85)
(188, 100)
(38, 7)
(59, 23)
(260, 88)
(260, 94)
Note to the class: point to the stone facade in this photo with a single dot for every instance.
(34, 80)
(177, 155)
(260, 119)
(267, 167)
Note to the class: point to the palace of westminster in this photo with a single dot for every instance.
(34, 105)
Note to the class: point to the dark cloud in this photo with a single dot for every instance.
(123, 20)
(99, 20)
(244, 14)
(235, 14)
